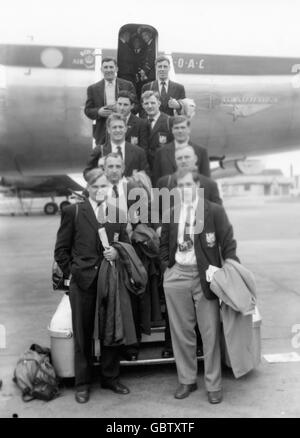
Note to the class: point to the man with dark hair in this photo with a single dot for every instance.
(102, 96)
(79, 253)
(190, 243)
(134, 156)
(137, 128)
(164, 161)
(159, 132)
(169, 92)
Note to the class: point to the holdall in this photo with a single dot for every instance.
(59, 282)
(35, 375)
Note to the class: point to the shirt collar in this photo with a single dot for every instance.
(155, 118)
(166, 81)
(115, 146)
(181, 145)
(108, 83)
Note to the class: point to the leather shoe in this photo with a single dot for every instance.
(166, 354)
(82, 396)
(184, 391)
(215, 397)
(116, 387)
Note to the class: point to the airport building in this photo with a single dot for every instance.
(270, 182)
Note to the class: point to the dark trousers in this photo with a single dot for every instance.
(83, 304)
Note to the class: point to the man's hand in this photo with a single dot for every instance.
(110, 254)
(158, 231)
(143, 75)
(104, 111)
(210, 273)
(173, 104)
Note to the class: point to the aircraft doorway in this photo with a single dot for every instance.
(137, 51)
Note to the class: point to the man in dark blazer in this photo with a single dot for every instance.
(164, 160)
(190, 251)
(133, 156)
(169, 92)
(159, 127)
(102, 97)
(137, 128)
(185, 158)
(79, 253)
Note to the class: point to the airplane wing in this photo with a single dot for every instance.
(58, 185)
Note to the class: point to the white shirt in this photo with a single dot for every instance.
(120, 187)
(155, 118)
(110, 92)
(186, 257)
(114, 148)
(160, 85)
(97, 207)
(121, 201)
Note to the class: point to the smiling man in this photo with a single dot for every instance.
(187, 250)
(164, 162)
(137, 128)
(169, 92)
(134, 157)
(158, 124)
(102, 96)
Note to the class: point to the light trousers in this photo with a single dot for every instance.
(187, 305)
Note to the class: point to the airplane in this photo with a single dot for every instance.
(246, 105)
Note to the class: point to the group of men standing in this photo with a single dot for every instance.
(158, 143)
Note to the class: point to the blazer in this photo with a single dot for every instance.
(78, 249)
(96, 100)
(135, 158)
(175, 90)
(165, 164)
(215, 238)
(137, 131)
(158, 136)
(211, 190)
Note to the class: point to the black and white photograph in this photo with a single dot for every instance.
(150, 212)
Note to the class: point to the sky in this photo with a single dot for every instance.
(244, 27)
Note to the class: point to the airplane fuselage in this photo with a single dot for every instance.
(43, 129)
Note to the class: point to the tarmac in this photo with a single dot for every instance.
(268, 235)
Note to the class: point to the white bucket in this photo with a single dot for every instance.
(61, 339)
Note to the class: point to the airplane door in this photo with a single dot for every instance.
(137, 52)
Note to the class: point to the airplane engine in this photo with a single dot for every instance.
(236, 166)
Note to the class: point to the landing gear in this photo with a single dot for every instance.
(63, 205)
(50, 208)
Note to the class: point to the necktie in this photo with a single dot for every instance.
(188, 223)
(151, 119)
(119, 151)
(115, 190)
(163, 93)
